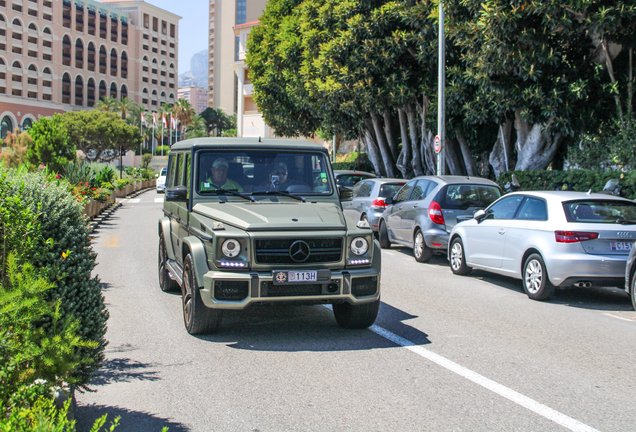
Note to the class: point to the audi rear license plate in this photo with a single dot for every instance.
(621, 246)
(294, 277)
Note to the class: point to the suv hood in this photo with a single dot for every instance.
(260, 216)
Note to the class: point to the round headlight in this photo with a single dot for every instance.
(359, 246)
(231, 248)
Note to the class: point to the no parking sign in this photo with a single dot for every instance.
(437, 144)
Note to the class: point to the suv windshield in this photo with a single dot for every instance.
(600, 211)
(263, 171)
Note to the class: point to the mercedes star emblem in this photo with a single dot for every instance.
(299, 251)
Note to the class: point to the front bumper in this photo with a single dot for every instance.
(247, 288)
(161, 188)
(602, 270)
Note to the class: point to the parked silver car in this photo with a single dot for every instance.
(367, 201)
(548, 239)
(423, 212)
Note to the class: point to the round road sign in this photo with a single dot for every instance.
(438, 144)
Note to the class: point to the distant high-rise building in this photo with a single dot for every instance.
(197, 96)
(223, 49)
(60, 55)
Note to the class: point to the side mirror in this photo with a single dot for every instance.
(480, 215)
(389, 201)
(345, 193)
(177, 194)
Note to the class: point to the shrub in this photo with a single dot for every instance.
(77, 172)
(577, 180)
(121, 183)
(50, 143)
(104, 175)
(145, 160)
(165, 149)
(68, 262)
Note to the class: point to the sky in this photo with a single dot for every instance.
(193, 26)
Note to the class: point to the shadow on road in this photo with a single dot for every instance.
(597, 298)
(125, 370)
(131, 421)
(308, 328)
(438, 259)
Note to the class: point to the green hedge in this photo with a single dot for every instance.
(365, 165)
(577, 180)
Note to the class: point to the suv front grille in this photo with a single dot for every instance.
(277, 251)
(364, 286)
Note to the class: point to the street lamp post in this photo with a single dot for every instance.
(441, 100)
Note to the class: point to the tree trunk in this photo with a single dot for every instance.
(610, 70)
(500, 155)
(372, 149)
(388, 131)
(630, 89)
(385, 151)
(406, 157)
(535, 145)
(469, 161)
(453, 162)
(415, 142)
(428, 152)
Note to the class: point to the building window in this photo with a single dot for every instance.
(7, 126)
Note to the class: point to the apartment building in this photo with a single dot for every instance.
(223, 49)
(197, 96)
(62, 55)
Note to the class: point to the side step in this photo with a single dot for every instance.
(175, 271)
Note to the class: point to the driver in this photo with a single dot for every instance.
(219, 178)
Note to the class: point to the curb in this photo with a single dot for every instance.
(95, 222)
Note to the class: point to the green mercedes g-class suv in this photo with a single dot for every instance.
(250, 221)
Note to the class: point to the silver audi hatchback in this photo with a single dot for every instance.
(548, 239)
(422, 213)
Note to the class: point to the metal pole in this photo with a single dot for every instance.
(333, 150)
(441, 103)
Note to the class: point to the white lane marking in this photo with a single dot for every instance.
(133, 200)
(620, 318)
(518, 398)
(158, 200)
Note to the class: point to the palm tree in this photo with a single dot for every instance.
(136, 113)
(184, 112)
(108, 104)
(125, 106)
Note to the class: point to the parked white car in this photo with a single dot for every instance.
(548, 239)
(161, 180)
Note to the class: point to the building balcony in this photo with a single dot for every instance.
(3, 39)
(3, 25)
(47, 50)
(33, 33)
(32, 88)
(3, 68)
(247, 89)
(16, 43)
(3, 83)
(32, 74)
(32, 46)
(18, 2)
(47, 10)
(47, 90)
(16, 85)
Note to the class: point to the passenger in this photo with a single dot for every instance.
(277, 176)
(219, 178)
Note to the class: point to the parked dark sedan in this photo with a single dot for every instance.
(367, 201)
(423, 212)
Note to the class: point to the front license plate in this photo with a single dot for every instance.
(621, 246)
(282, 277)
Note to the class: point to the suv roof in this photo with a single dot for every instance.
(254, 142)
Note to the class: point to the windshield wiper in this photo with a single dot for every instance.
(625, 222)
(221, 190)
(275, 192)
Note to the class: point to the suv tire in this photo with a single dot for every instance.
(198, 318)
(356, 317)
(383, 236)
(421, 252)
(165, 283)
(457, 258)
(535, 280)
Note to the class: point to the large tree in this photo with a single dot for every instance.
(99, 134)
(51, 145)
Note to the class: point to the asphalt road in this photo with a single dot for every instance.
(447, 353)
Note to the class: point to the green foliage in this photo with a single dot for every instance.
(51, 146)
(105, 175)
(100, 134)
(68, 262)
(121, 183)
(229, 133)
(145, 160)
(365, 165)
(16, 147)
(576, 179)
(613, 146)
(107, 186)
(78, 172)
(217, 119)
(164, 149)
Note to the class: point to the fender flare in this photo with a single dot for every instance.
(377, 258)
(164, 232)
(199, 258)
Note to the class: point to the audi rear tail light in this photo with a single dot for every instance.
(574, 236)
(379, 203)
(435, 213)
